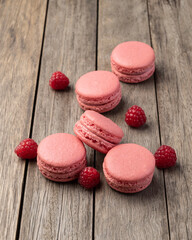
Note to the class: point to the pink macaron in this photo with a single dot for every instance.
(98, 90)
(133, 61)
(129, 168)
(61, 157)
(97, 131)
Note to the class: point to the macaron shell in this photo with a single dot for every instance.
(101, 108)
(57, 178)
(127, 187)
(102, 126)
(91, 139)
(61, 170)
(129, 163)
(97, 84)
(134, 78)
(133, 55)
(100, 101)
(61, 175)
(61, 150)
(131, 71)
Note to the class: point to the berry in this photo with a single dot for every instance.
(27, 149)
(89, 177)
(58, 81)
(165, 157)
(135, 116)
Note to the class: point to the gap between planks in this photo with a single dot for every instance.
(127, 220)
(159, 128)
(31, 128)
(94, 163)
(43, 231)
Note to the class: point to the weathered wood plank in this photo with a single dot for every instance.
(129, 216)
(21, 30)
(52, 210)
(171, 37)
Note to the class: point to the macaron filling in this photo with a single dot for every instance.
(58, 178)
(92, 139)
(130, 71)
(64, 170)
(99, 101)
(134, 78)
(84, 120)
(67, 174)
(101, 107)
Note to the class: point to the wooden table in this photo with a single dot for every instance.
(76, 36)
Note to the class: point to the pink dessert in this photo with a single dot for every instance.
(97, 131)
(99, 91)
(133, 61)
(129, 168)
(61, 157)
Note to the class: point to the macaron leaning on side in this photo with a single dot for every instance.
(129, 168)
(98, 90)
(61, 157)
(98, 131)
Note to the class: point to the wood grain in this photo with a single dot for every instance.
(129, 216)
(52, 210)
(171, 38)
(21, 30)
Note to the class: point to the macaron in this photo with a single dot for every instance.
(98, 131)
(129, 168)
(61, 157)
(98, 90)
(133, 61)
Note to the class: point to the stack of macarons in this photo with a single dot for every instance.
(133, 61)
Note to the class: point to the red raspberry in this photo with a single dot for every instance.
(58, 81)
(27, 149)
(135, 116)
(89, 177)
(165, 157)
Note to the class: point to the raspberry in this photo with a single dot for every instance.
(27, 149)
(135, 116)
(165, 157)
(58, 81)
(89, 177)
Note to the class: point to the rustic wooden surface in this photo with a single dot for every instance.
(171, 39)
(52, 210)
(21, 31)
(40, 37)
(121, 216)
